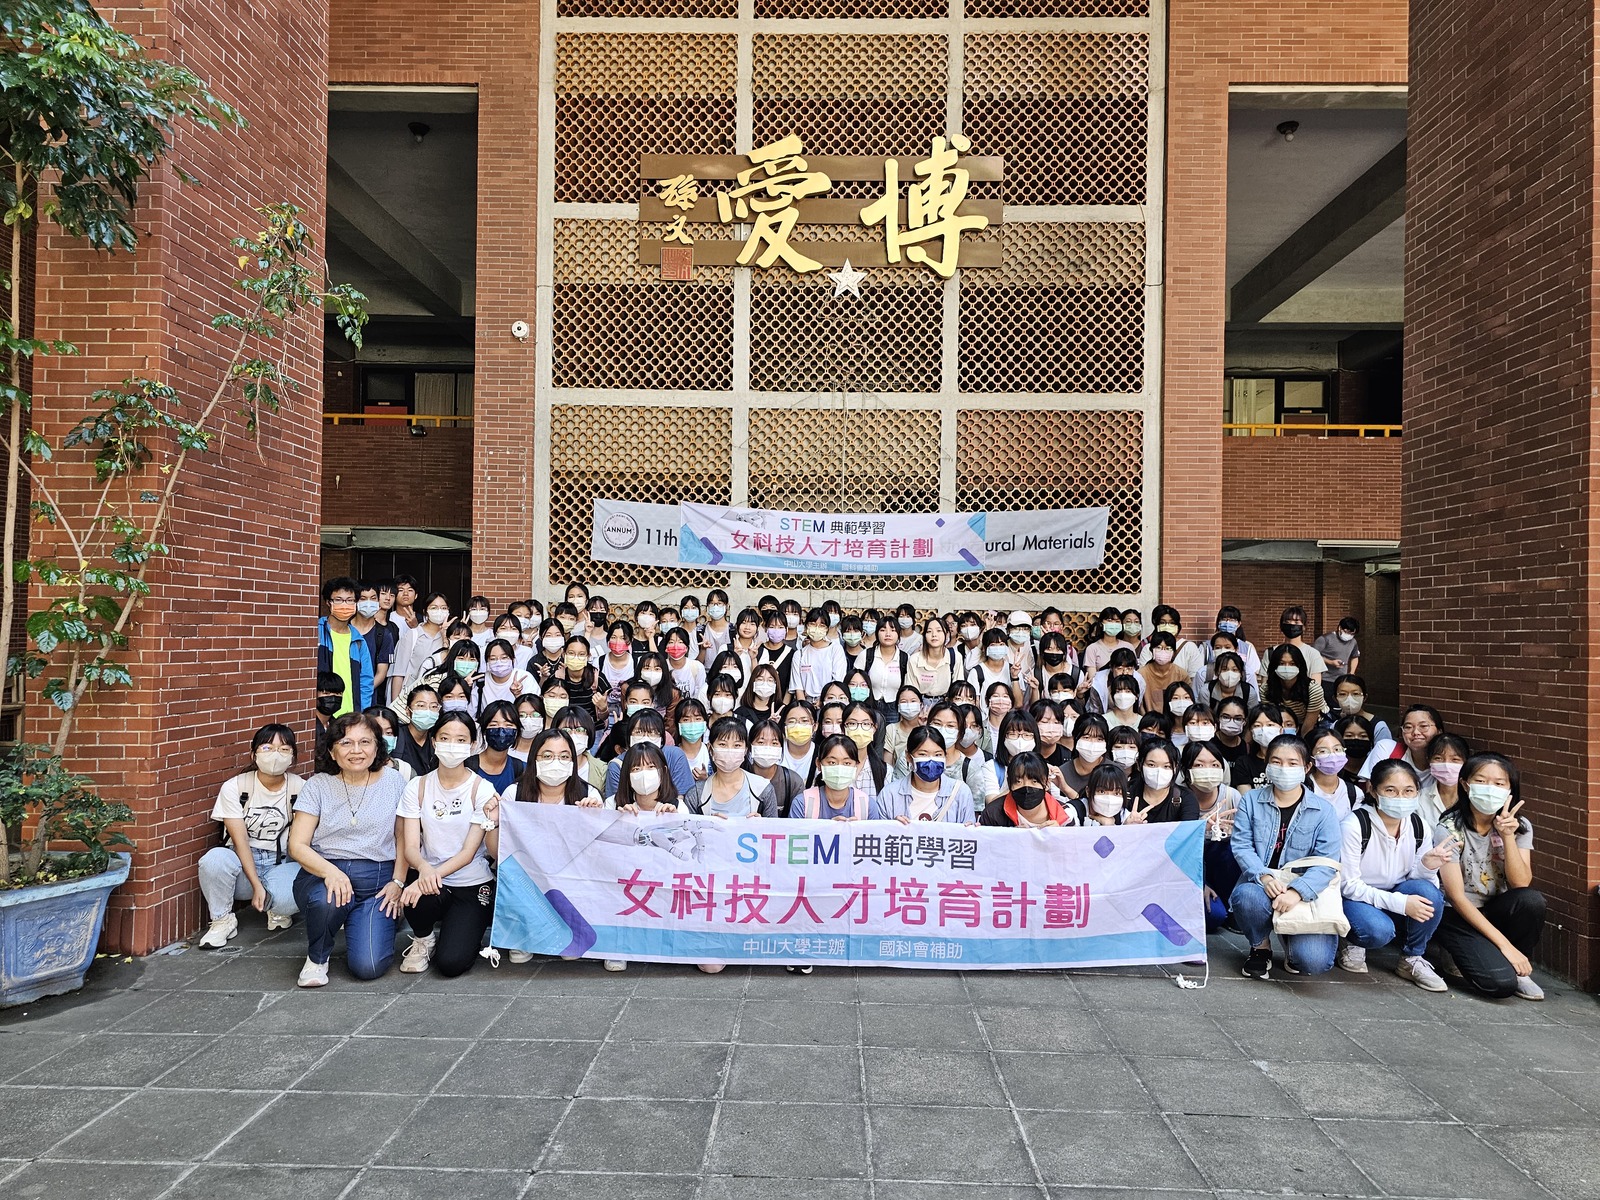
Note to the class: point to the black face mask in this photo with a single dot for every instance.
(1356, 750)
(328, 705)
(1054, 659)
(1028, 797)
(1291, 631)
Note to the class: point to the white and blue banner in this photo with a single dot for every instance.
(679, 888)
(726, 537)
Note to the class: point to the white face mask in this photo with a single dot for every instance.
(1286, 672)
(1228, 679)
(438, 615)
(367, 608)
(529, 726)
(764, 688)
(1091, 752)
(910, 710)
(553, 643)
(1262, 735)
(1106, 806)
(646, 781)
(969, 737)
(1122, 701)
(644, 739)
(1350, 703)
(1019, 745)
(478, 616)
(728, 758)
(766, 756)
(970, 632)
(554, 772)
(647, 620)
(451, 754)
(1157, 777)
(1125, 756)
(1206, 777)
(995, 653)
(1201, 733)
(651, 677)
(721, 704)
(1177, 706)
(1346, 637)
(272, 761)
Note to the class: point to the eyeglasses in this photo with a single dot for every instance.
(349, 744)
(552, 758)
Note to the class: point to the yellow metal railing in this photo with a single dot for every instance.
(1364, 431)
(393, 418)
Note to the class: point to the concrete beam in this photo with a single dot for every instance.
(1371, 204)
(371, 232)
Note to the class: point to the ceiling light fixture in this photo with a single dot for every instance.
(1287, 128)
(420, 131)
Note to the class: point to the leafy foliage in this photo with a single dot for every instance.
(39, 794)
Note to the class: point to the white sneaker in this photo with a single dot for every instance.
(712, 968)
(1420, 972)
(313, 975)
(1528, 989)
(418, 955)
(1352, 958)
(222, 931)
(616, 964)
(275, 922)
(521, 956)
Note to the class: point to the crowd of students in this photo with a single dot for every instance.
(429, 723)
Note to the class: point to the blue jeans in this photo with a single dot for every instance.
(1310, 953)
(368, 932)
(222, 881)
(1374, 927)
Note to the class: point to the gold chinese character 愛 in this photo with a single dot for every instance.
(769, 189)
(930, 208)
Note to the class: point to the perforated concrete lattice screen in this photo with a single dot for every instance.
(1032, 384)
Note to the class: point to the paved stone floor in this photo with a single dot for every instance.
(209, 1074)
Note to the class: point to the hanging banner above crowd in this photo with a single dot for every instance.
(805, 543)
(596, 883)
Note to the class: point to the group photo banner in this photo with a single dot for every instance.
(726, 537)
(680, 888)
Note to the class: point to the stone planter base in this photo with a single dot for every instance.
(48, 933)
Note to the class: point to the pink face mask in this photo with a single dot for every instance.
(677, 651)
(1162, 655)
(1445, 772)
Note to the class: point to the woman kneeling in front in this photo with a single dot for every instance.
(442, 817)
(1278, 823)
(343, 837)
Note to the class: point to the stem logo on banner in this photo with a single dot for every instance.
(680, 888)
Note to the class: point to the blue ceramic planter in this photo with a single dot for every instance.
(48, 933)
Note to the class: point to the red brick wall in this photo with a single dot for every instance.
(381, 474)
(1261, 591)
(1343, 488)
(1212, 43)
(1498, 601)
(244, 566)
(495, 45)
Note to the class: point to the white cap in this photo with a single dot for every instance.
(1019, 618)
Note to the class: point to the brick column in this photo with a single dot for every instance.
(1499, 508)
(227, 641)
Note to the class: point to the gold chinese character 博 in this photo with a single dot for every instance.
(769, 189)
(930, 208)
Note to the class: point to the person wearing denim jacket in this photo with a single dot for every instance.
(1313, 831)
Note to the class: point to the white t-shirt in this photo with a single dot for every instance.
(447, 815)
(265, 814)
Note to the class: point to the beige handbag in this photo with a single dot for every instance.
(1325, 914)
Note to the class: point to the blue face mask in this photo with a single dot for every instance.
(859, 694)
(1398, 807)
(1228, 626)
(929, 770)
(691, 731)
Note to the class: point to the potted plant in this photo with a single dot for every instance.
(85, 116)
(52, 902)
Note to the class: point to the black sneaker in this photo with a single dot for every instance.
(805, 970)
(1258, 964)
